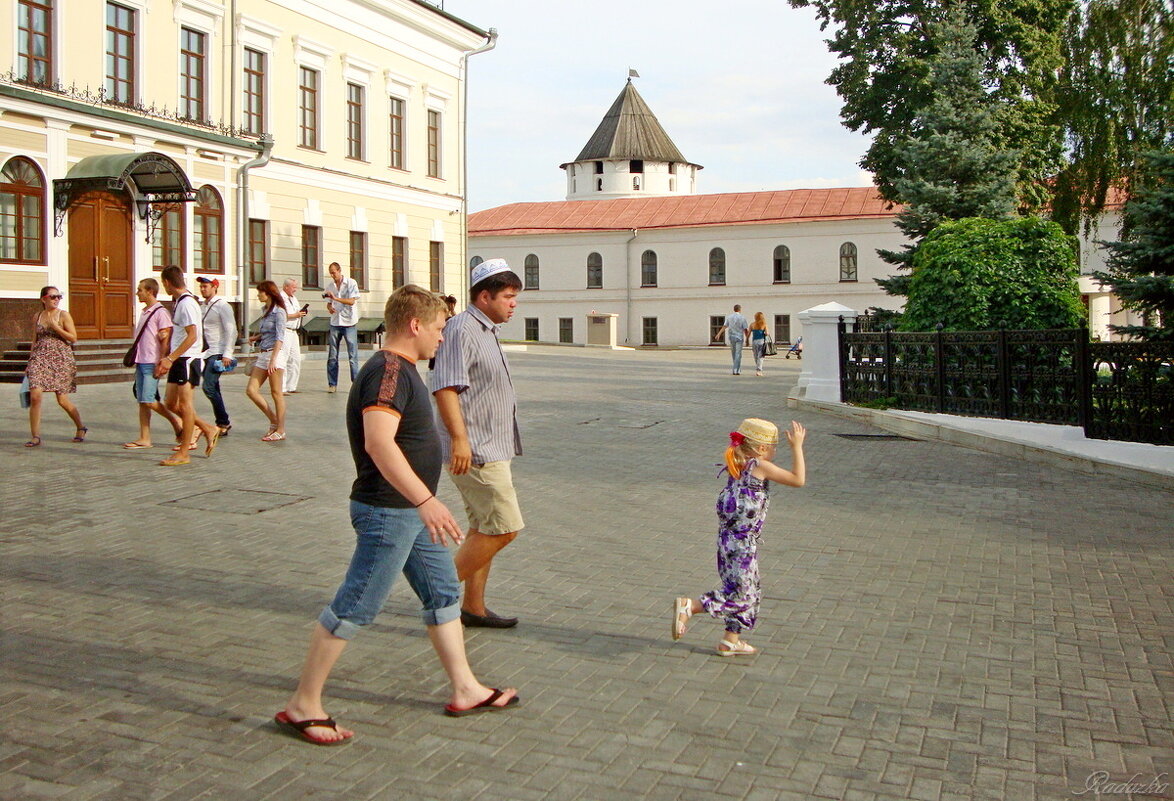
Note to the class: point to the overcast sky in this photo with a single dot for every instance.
(738, 86)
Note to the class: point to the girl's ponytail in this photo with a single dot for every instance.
(737, 454)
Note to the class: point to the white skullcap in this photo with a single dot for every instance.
(486, 269)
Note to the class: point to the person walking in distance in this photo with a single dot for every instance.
(737, 331)
(219, 344)
(758, 340)
(400, 525)
(153, 339)
(270, 365)
(479, 411)
(342, 297)
(183, 369)
(741, 512)
(51, 366)
(293, 346)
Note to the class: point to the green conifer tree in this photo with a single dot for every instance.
(952, 163)
(1141, 265)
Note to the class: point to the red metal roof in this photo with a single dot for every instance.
(681, 211)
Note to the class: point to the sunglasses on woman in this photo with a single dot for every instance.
(55, 297)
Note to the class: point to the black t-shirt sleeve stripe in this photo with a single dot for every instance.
(389, 384)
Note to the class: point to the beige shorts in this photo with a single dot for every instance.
(265, 356)
(490, 501)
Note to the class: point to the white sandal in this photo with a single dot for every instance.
(681, 606)
(739, 648)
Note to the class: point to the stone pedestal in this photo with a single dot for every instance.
(820, 379)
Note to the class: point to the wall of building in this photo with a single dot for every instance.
(683, 300)
(617, 179)
(394, 49)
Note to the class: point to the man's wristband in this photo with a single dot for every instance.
(421, 503)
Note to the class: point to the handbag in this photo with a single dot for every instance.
(25, 393)
(769, 349)
(128, 360)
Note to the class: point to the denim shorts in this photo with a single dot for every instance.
(388, 542)
(146, 384)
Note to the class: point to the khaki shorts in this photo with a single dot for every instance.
(490, 501)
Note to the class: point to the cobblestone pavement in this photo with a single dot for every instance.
(938, 623)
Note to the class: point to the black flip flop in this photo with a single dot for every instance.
(485, 706)
(297, 728)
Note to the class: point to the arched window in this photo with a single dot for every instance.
(717, 267)
(648, 268)
(847, 262)
(22, 212)
(594, 271)
(530, 280)
(782, 265)
(208, 249)
(473, 262)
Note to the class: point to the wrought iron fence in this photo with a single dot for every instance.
(1016, 375)
(1115, 390)
(1131, 395)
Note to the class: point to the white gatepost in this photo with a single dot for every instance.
(820, 379)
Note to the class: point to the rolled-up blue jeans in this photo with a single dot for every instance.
(387, 542)
(337, 333)
(736, 352)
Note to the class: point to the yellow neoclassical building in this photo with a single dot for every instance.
(241, 139)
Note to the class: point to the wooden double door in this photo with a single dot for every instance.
(101, 266)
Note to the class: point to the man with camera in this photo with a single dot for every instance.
(342, 298)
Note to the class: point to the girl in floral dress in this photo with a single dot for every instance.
(51, 366)
(741, 511)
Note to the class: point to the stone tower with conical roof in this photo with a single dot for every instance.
(629, 155)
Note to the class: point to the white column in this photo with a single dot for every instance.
(820, 379)
(1100, 309)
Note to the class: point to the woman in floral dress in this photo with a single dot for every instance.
(51, 366)
(741, 511)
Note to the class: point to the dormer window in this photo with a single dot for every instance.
(672, 168)
(599, 168)
(636, 165)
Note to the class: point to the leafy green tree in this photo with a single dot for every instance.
(1116, 101)
(884, 77)
(979, 274)
(1141, 266)
(952, 164)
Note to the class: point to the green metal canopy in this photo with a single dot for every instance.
(149, 177)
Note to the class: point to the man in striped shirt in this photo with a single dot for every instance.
(478, 407)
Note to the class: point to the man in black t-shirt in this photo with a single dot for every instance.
(400, 525)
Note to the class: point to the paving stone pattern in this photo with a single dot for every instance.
(938, 623)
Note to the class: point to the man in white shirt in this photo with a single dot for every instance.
(737, 331)
(342, 297)
(219, 326)
(293, 348)
(182, 365)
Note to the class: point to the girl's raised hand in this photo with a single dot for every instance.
(796, 433)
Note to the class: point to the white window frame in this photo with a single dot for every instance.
(203, 17)
(315, 56)
(256, 34)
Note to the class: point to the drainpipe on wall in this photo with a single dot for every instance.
(242, 232)
(628, 270)
(489, 45)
